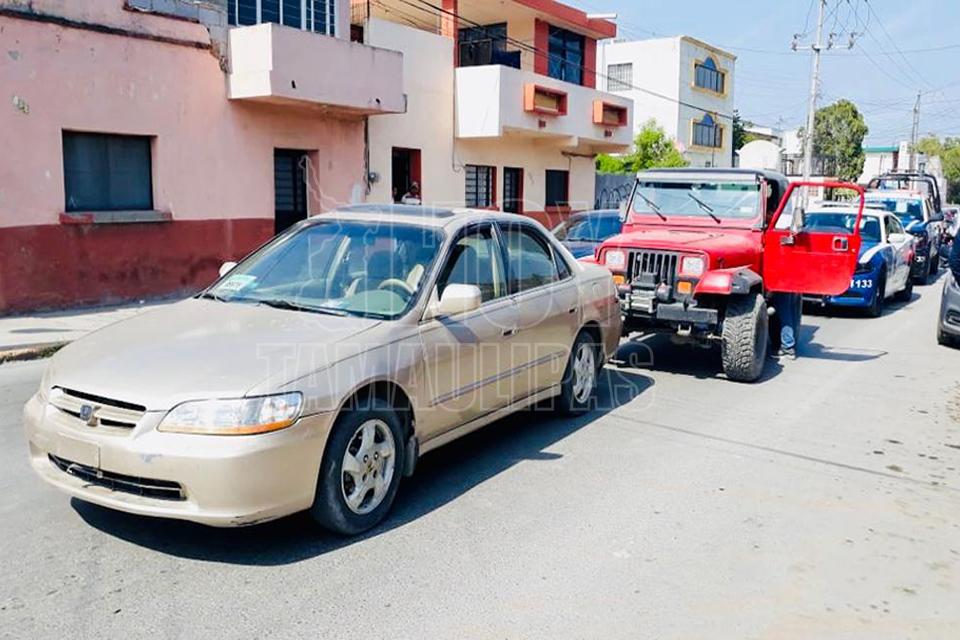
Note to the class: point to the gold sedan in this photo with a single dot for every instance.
(314, 374)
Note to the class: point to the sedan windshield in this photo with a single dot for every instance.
(908, 210)
(588, 228)
(341, 268)
(736, 200)
(843, 222)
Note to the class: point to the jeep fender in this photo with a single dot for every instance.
(738, 280)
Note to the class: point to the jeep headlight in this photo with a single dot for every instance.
(236, 417)
(692, 266)
(615, 260)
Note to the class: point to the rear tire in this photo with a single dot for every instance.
(906, 294)
(743, 348)
(580, 376)
(331, 506)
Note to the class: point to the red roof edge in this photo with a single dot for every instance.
(597, 27)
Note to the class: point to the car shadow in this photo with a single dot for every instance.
(808, 347)
(440, 479)
(660, 353)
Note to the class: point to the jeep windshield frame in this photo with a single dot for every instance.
(726, 199)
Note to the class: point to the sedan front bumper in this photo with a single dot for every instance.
(214, 480)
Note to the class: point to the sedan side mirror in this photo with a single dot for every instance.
(226, 268)
(456, 299)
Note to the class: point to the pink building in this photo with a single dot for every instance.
(147, 141)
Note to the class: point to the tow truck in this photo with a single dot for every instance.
(702, 252)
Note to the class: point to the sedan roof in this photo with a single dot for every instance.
(417, 214)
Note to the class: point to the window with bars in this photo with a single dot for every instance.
(105, 172)
(480, 186)
(619, 76)
(707, 133)
(707, 75)
(319, 16)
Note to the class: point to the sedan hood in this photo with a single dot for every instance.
(200, 349)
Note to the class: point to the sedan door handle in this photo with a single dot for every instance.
(572, 310)
(509, 332)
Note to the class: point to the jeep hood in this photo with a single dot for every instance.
(726, 249)
(202, 349)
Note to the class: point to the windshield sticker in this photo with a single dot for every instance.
(901, 206)
(237, 282)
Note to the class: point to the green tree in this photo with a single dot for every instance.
(740, 134)
(652, 149)
(838, 133)
(948, 150)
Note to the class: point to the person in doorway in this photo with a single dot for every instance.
(413, 195)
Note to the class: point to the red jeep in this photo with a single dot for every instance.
(702, 250)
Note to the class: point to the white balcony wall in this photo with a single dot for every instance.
(278, 64)
(490, 104)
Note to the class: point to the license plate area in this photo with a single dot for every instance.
(79, 451)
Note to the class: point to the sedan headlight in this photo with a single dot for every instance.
(237, 417)
(45, 382)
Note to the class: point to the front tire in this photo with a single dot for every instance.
(743, 348)
(580, 375)
(361, 469)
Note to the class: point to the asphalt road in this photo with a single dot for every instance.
(823, 502)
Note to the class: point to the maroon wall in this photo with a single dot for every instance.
(62, 265)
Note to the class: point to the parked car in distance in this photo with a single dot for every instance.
(315, 372)
(948, 325)
(920, 218)
(884, 264)
(583, 232)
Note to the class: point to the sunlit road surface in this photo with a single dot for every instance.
(823, 502)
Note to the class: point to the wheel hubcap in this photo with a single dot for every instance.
(584, 372)
(368, 466)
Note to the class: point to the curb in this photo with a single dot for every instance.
(32, 352)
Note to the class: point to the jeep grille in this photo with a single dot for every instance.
(650, 268)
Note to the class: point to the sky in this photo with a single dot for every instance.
(882, 73)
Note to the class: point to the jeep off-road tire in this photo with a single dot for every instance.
(331, 505)
(746, 329)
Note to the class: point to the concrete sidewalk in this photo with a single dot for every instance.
(26, 336)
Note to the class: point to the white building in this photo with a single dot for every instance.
(502, 109)
(684, 84)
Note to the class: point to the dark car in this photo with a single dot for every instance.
(948, 327)
(583, 232)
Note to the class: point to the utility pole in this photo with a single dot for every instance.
(814, 87)
(914, 133)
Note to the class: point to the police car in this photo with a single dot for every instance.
(886, 254)
(919, 217)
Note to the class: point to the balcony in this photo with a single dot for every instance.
(497, 100)
(282, 65)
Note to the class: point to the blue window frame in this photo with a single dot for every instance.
(707, 75)
(707, 133)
